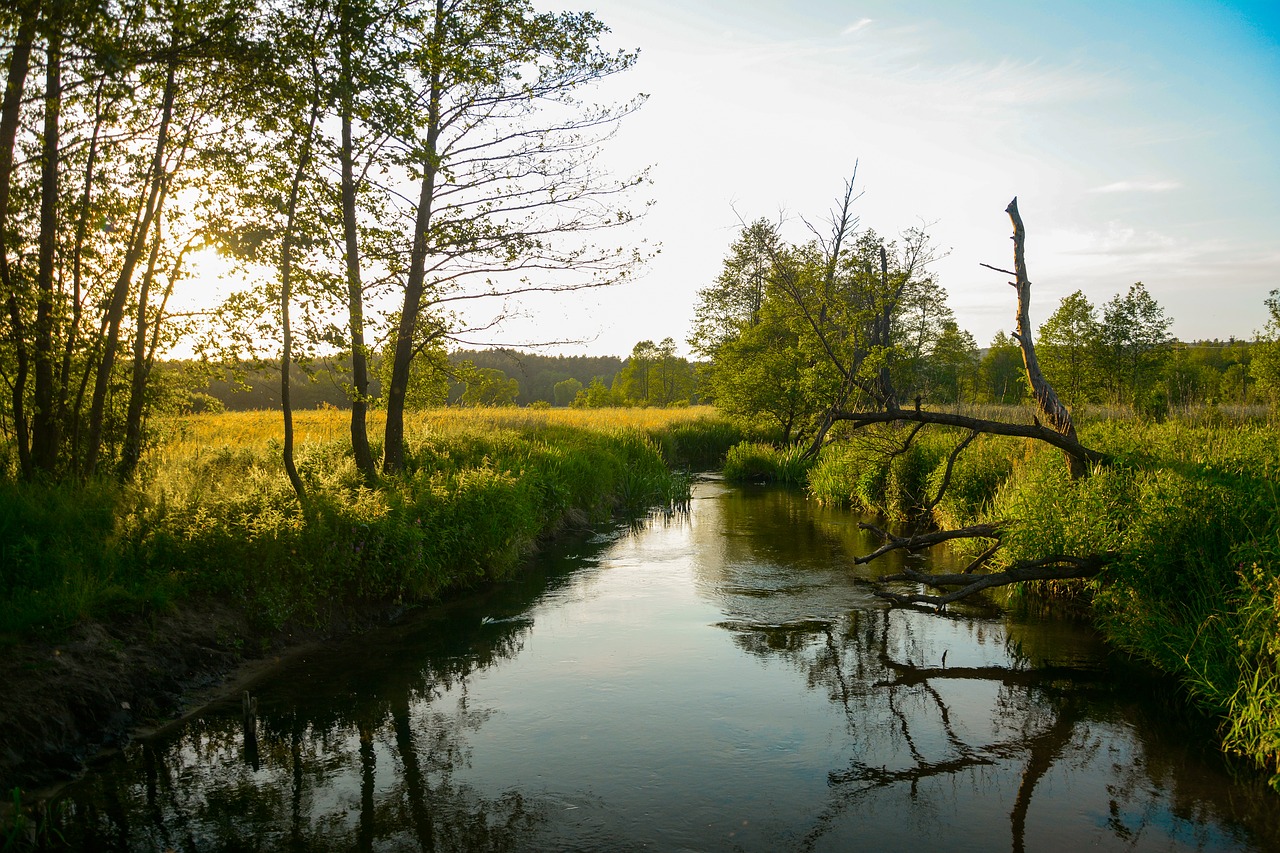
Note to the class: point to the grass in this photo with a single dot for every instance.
(212, 514)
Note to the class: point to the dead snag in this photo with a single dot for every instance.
(1049, 407)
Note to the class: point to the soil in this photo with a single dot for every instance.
(63, 703)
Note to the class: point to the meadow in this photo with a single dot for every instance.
(212, 516)
(1189, 512)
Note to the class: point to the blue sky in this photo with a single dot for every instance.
(1141, 139)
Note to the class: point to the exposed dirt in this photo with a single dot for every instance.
(63, 703)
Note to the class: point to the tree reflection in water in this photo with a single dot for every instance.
(341, 769)
(952, 739)
(907, 738)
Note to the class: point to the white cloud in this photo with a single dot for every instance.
(853, 28)
(1138, 187)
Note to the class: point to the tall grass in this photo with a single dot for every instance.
(212, 513)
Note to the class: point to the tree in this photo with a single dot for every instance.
(951, 371)
(429, 376)
(488, 386)
(877, 403)
(595, 396)
(130, 97)
(1070, 349)
(1134, 338)
(566, 391)
(1265, 366)
(503, 156)
(1000, 372)
(842, 318)
(734, 301)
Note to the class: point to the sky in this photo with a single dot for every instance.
(1140, 138)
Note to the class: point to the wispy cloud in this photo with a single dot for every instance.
(853, 28)
(1138, 187)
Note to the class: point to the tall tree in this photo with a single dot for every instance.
(503, 156)
(1070, 349)
(1001, 374)
(1265, 365)
(1134, 336)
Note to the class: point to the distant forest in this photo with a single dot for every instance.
(326, 382)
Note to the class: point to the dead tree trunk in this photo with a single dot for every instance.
(1049, 407)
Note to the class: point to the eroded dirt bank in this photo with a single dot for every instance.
(63, 703)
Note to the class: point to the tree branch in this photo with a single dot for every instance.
(1057, 567)
(926, 540)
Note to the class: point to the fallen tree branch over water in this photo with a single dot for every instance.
(1057, 567)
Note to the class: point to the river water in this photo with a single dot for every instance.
(717, 680)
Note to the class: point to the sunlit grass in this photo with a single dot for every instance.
(212, 513)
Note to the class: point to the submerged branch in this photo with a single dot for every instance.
(926, 540)
(1057, 567)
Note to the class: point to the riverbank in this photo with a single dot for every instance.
(118, 602)
(1189, 511)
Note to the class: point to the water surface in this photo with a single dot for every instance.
(720, 680)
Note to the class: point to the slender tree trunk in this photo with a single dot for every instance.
(355, 290)
(131, 450)
(120, 293)
(393, 444)
(44, 420)
(77, 277)
(10, 111)
(286, 286)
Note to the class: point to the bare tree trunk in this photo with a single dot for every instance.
(120, 293)
(1051, 410)
(286, 271)
(131, 450)
(77, 278)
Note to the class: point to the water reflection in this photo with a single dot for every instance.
(719, 680)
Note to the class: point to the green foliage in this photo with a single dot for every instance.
(596, 395)
(1068, 347)
(754, 462)
(487, 386)
(566, 391)
(654, 376)
(1265, 368)
(1001, 376)
(1188, 513)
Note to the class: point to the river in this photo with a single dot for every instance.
(717, 680)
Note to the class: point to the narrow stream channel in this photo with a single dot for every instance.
(716, 681)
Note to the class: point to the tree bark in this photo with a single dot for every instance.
(131, 450)
(355, 290)
(44, 418)
(10, 111)
(286, 283)
(415, 286)
(120, 292)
